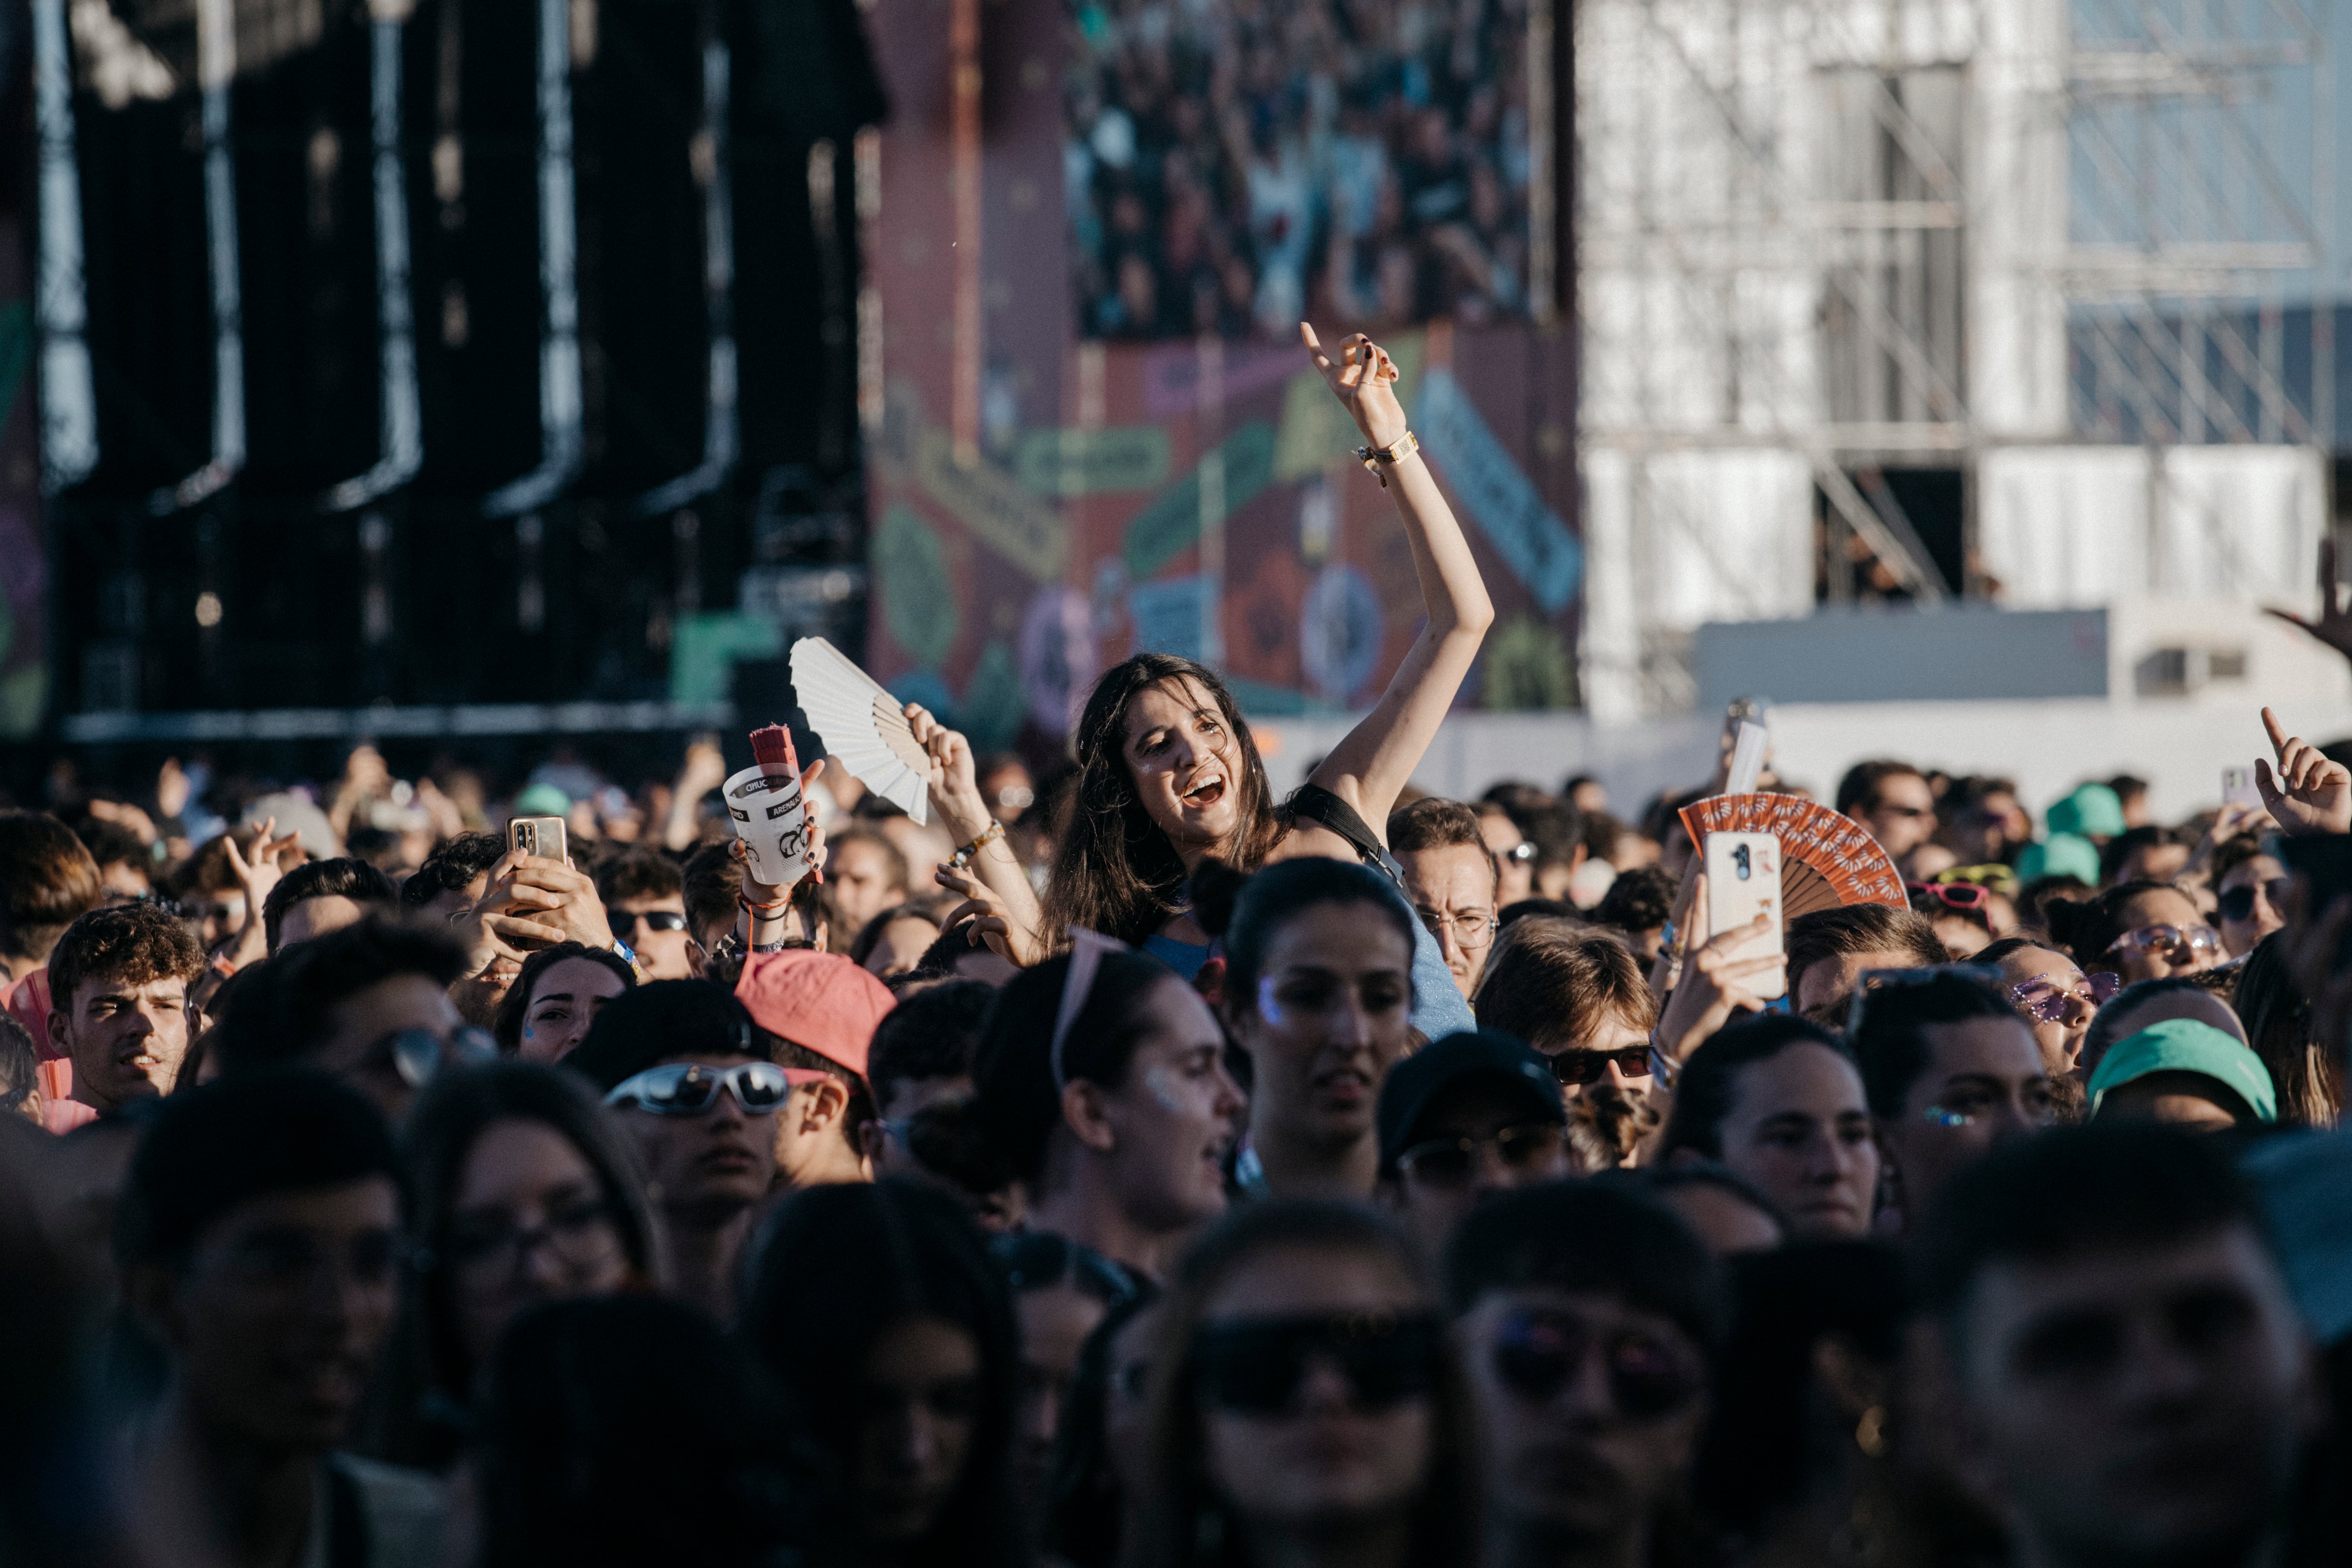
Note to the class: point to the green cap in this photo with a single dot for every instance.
(2184, 1044)
(2061, 855)
(2092, 810)
(542, 800)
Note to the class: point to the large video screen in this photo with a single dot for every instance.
(1234, 165)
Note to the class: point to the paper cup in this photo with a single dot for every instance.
(771, 821)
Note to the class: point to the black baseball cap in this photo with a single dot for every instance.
(661, 1021)
(1486, 1055)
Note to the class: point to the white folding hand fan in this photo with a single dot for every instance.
(863, 725)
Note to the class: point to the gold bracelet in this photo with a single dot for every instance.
(965, 856)
(1375, 457)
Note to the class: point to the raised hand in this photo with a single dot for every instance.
(991, 922)
(2333, 626)
(261, 873)
(955, 785)
(1713, 987)
(2308, 796)
(535, 901)
(1364, 381)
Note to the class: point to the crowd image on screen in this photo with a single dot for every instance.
(1192, 1170)
(1230, 167)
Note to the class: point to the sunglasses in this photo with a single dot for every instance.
(2237, 902)
(2164, 938)
(418, 1055)
(2046, 1003)
(660, 919)
(689, 1089)
(1538, 1351)
(1951, 895)
(1253, 1366)
(1451, 1161)
(1582, 1069)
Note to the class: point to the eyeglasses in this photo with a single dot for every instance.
(2046, 1003)
(2199, 940)
(661, 920)
(1523, 851)
(1577, 1068)
(1908, 813)
(689, 1089)
(1253, 1366)
(576, 1236)
(1951, 895)
(2237, 902)
(1451, 1161)
(417, 1055)
(1473, 929)
(1538, 1351)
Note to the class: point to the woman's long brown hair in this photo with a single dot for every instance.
(1114, 870)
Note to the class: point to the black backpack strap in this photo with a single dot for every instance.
(1315, 804)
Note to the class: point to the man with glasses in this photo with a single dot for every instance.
(645, 902)
(1453, 880)
(259, 1237)
(1589, 1317)
(1949, 1070)
(678, 1061)
(1461, 1120)
(369, 1004)
(1893, 801)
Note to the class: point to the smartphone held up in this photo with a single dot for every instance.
(1743, 881)
(542, 837)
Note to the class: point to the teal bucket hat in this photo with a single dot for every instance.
(2092, 810)
(2184, 1044)
(2061, 855)
(542, 800)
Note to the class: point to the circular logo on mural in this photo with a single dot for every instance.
(1339, 632)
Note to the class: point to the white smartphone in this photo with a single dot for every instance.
(1743, 880)
(541, 835)
(2238, 787)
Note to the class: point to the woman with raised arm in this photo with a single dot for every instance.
(1167, 773)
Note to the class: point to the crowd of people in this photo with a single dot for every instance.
(1231, 166)
(1178, 1176)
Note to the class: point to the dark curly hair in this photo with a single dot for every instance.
(135, 942)
(1115, 871)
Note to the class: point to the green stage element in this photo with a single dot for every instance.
(703, 649)
(1092, 462)
(918, 595)
(1170, 523)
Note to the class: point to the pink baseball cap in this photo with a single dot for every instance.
(819, 1001)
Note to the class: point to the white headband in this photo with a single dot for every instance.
(1087, 949)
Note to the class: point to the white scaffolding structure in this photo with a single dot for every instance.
(1822, 239)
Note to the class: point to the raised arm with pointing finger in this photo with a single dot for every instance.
(1369, 768)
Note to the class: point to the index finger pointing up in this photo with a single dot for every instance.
(2278, 735)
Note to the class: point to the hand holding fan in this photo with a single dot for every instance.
(863, 725)
(1826, 860)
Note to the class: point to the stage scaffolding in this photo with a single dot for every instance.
(1827, 248)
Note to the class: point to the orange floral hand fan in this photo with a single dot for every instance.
(1826, 860)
